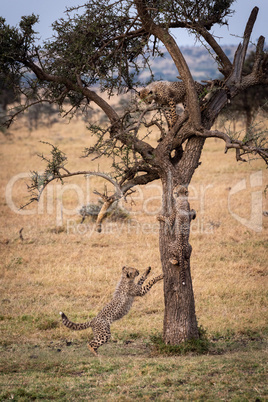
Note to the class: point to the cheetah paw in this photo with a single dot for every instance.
(173, 261)
(92, 350)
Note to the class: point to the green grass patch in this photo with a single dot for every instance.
(55, 371)
(22, 394)
(193, 346)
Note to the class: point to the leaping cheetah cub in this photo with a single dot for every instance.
(119, 306)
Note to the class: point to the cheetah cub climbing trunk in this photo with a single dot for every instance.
(126, 291)
(180, 322)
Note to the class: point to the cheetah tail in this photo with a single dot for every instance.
(72, 325)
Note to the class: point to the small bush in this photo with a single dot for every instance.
(92, 210)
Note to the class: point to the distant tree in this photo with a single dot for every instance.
(8, 93)
(42, 114)
(249, 102)
(109, 45)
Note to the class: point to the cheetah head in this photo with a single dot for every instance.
(180, 191)
(146, 95)
(130, 273)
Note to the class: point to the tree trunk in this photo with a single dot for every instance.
(180, 322)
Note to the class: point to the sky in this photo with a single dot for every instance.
(51, 10)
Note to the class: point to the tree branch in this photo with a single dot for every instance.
(226, 65)
(240, 54)
(90, 95)
(235, 144)
(140, 146)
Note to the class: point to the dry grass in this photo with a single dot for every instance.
(76, 272)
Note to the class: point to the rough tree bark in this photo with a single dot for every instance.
(179, 318)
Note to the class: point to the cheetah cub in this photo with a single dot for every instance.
(169, 94)
(179, 221)
(119, 306)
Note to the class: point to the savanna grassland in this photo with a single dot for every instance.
(58, 264)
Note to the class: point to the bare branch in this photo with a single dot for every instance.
(235, 144)
(259, 57)
(240, 55)
(159, 126)
(107, 202)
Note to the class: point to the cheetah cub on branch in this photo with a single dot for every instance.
(169, 94)
(119, 306)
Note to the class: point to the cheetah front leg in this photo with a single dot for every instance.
(144, 276)
(168, 220)
(171, 114)
(141, 291)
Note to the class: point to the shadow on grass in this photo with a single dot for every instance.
(217, 344)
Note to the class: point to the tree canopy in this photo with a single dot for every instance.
(105, 44)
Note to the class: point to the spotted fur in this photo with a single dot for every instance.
(180, 250)
(169, 94)
(122, 300)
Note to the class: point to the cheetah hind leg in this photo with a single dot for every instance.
(102, 334)
(92, 350)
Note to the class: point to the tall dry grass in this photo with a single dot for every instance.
(75, 269)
